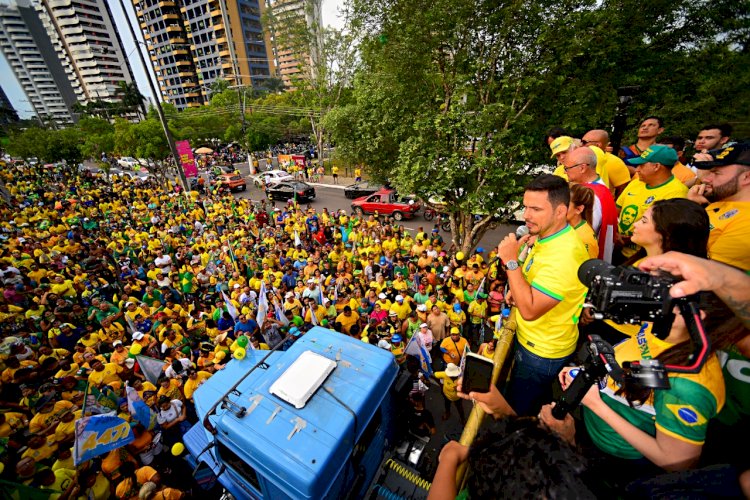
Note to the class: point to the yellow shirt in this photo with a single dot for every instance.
(552, 269)
(347, 321)
(637, 198)
(191, 385)
(730, 233)
(588, 237)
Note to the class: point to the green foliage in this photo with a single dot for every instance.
(98, 137)
(454, 97)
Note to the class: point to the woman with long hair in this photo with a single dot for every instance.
(580, 216)
(676, 224)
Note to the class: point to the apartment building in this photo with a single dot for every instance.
(295, 58)
(194, 43)
(88, 45)
(34, 61)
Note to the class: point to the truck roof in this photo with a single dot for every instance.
(300, 450)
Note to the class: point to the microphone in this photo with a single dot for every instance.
(521, 232)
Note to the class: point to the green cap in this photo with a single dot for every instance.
(657, 154)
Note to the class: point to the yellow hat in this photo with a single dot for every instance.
(560, 145)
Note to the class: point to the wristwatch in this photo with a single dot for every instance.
(511, 265)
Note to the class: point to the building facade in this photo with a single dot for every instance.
(293, 57)
(192, 44)
(88, 45)
(35, 64)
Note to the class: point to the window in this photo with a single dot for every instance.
(240, 466)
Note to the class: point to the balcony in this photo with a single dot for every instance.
(174, 28)
(166, 3)
(186, 74)
(174, 17)
(183, 62)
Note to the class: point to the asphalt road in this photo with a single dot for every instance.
(333, 199)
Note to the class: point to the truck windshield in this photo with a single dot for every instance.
(241, 467)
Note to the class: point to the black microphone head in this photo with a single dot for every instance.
(522, 231)
(591, 269)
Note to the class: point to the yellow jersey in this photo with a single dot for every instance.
(552, 269)
(730, 233)
(637, 198)
(586, 233)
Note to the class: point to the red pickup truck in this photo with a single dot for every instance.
(387, 202)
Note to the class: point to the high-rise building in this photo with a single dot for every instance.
(32, 57)
(192, 44)
(89, 46)
(295, 58)
(7, 112)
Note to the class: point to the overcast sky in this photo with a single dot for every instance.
(17, 97)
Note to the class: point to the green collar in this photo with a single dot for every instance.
(555, 235)
(671, 177)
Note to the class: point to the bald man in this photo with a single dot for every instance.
(580, 167)
(617, 171)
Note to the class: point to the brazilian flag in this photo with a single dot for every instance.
(186, 282)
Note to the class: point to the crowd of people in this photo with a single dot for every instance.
(101, 276)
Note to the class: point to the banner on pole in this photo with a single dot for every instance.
(187, 160)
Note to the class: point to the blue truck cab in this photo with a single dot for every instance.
(313, 421)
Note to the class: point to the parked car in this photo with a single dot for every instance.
(127, 162)
(362, 188)
(271, 177)
(287, 190)
(387, 202)
(232, 181)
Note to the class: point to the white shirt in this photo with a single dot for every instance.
(171, 414)
(164, 263)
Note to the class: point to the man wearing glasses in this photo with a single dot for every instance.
(580, 167)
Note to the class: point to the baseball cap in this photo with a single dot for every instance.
(137, 335)
(560, 145)
(423, 325)
(657, 154)
(735, 154)
(455, 331)
(399, 298)
(116, 343)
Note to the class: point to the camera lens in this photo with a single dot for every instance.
(591, 269)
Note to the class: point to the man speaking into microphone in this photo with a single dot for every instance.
(545, 291)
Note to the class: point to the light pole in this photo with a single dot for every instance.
(159, 110)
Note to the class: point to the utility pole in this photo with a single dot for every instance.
(159, 110)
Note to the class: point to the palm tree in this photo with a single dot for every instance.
(130, 97)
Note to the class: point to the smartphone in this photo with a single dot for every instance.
(477, 375)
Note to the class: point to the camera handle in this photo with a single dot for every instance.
(599, 362)
(701, 343)
(574, 394)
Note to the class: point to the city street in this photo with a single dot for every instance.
(332, 198)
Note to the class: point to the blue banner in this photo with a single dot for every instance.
(100, 434)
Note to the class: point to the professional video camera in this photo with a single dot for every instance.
(629, 296)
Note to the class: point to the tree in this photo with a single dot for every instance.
(131, 98)
(451, 120)
(464, 116)
(98, 137)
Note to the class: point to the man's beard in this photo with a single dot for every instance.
(729, 188)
